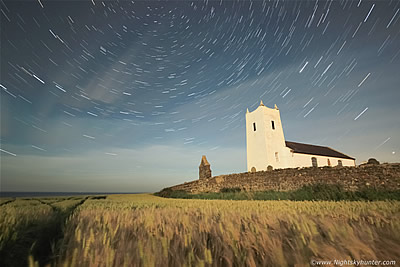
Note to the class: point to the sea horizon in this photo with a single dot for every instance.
(57, 194)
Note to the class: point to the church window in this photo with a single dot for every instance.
(253, 169)
(314, 162)
(339, 163)
(273, 125)
(277, 156)
(254, 126)
(329, 162)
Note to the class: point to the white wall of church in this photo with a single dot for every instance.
(265, 140)
(266, 144)
(304, 160)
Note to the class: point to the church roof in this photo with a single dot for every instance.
(315, 150)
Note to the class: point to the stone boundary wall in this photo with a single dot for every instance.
(384, 176)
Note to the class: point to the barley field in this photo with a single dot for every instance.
(145, 230)
(33, 228)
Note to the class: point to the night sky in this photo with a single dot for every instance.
(127, 96)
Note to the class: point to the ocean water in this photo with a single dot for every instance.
(58, 194)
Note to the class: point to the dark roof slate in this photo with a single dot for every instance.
(315, 150)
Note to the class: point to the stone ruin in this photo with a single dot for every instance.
(204, 168)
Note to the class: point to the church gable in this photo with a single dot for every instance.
(315, 150)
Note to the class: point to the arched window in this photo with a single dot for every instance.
(339, 163)
(277, 156)
(329, 162)
(314, 162)
(253, 169)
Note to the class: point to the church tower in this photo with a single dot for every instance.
(265, 140)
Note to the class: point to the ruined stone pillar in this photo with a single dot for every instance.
(204, 168)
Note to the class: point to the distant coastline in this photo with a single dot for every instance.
(59, 194)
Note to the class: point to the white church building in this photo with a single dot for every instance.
(266, 145)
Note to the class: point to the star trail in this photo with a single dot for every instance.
(127, 96)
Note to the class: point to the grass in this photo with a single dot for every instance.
(311, 193)
(146, 230)
(5, 200)
(33, 226)
(151, 231)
